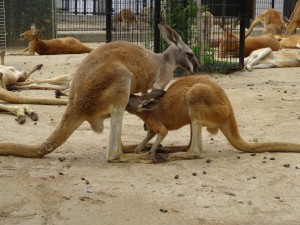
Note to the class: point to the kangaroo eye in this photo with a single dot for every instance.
(190, 55)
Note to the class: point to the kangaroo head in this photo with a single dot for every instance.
(179, 51)
(30, 34)
(146, 102)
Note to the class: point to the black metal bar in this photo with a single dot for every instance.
(272, 4)
(76, 5)
(84, 7)
(94, 7)
(157, 9)
(243, 14)
(108, 12)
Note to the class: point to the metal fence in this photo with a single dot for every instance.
(2, 26)
(136, 21)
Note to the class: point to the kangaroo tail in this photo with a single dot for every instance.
(68, 124)
(230, 130)
(12, 97)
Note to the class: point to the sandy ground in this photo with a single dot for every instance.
(75, 185)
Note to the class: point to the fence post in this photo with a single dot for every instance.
(157, 9)
(76, 6)
(242, 31)
(108, 12)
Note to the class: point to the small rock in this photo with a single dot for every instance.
(61, 159)
(272, 158)
(204, 172)
(176, 176)
(89, 191)
(285, 91)
(238, 157)
(87, 182)
(194, 174)
(163, 210)
(253, 154)
(208, 161)
(286, 165)
(60, 173)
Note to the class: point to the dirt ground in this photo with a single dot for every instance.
(75, 185)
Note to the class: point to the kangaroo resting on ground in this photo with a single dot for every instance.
(101, 87)
(265, 58)
(9, 75)
(68, 45)
(230, 44)
(61, 84)
(200, 102)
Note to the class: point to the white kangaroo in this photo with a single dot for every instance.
(101, 87)
(8, 76)
(200, 102)
(266, 58)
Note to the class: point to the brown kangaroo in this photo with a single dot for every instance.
(266, 17)
(230, 44)
(200, 102)
(294, 20)
(68, 45)
(101, 87)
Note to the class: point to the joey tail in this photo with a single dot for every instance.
(230, 130)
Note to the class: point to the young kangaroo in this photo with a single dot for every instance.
(101, 87)
(200, 102)
(68, 45)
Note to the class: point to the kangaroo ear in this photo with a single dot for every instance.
(148, 105)
(170, 35)
(155, 94)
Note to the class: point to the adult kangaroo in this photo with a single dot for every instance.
(101, 88)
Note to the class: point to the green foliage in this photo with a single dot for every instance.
(20, 14)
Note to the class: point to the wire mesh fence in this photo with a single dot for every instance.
(2, 26)
(203, 24)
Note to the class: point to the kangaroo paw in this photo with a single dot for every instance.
(21, 119)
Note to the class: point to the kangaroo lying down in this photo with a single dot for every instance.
(200, 102)
(68, 45)
(22, 110)
(101, 87)
(9, 75)
(266, 58)
(61, 85)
